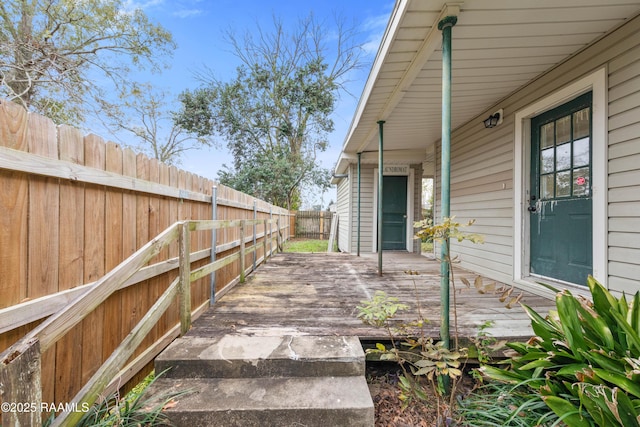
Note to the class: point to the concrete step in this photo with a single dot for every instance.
(237, 356)
(299, 401)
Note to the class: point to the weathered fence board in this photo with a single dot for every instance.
(95, 157)
(14, 194)
(313, 224)
(72, 207)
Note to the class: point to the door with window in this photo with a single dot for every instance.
(394, 213)
(560, 205)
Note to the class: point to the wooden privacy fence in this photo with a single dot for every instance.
(20, 365)
(313, 224)
(72, 208)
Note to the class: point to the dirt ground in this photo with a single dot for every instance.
(391, 411)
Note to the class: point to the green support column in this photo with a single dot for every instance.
(380, 175)
(359, 175)
(445, 26)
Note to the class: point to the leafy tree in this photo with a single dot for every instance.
(143, 113)
(275, 114)
(53, 51)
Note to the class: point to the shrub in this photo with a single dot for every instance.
(504, 405)
(584, 361)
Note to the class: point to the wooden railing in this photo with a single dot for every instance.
(20, 365)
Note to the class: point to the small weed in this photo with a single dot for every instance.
(419, 358)
(485, 344)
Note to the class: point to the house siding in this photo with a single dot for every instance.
(348, 207)
(482, 190)
(366, 208)
(482, 164)
(417, 203)
(624, 170)
(344, 215)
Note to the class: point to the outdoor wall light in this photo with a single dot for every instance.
(493, 120)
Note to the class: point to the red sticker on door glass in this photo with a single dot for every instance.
(580, 180)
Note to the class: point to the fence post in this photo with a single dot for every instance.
(20, 377)
(271, 230)
(242, 224)
(278, 238)
(264, 242)
(184, 239)
(214, 239)
(255, 216)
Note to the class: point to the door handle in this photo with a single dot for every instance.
(532, 208)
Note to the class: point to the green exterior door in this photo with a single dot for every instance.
(560, 199)
(394, 213)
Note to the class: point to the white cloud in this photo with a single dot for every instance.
(186, 13)
(374, 26)
(130, 5)
(376, 23)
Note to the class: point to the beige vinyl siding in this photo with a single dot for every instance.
(366, 208)
(482, 190)
(344, 216)
(624, 168)
(348, 202)
(417, 202)
(482, 186)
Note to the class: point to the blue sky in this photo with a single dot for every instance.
(198, 27)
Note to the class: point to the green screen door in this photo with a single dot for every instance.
(394, 213)
(560, 200)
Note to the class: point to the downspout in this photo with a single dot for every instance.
(380, 175)
(445, 26)
(359, 176)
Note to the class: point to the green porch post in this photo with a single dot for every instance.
(380, 175)
(359, 176)
(445, 26)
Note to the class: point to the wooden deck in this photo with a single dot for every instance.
(317, 294)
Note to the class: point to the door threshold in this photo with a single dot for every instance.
(538, 282)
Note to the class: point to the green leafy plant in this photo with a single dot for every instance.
(379, 310)
(584, 361)
(419, 358)
(422, 357)
(447, 229)
(483, 345)
(443, 233)
(133, 410)
(497, 404)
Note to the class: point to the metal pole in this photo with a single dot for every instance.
(359, 177)
(445, 26)
(214, 238)
(380, 176)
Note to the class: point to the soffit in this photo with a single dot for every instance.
(498, 46)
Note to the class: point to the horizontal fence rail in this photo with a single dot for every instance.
(28, 351)
(40, 308)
